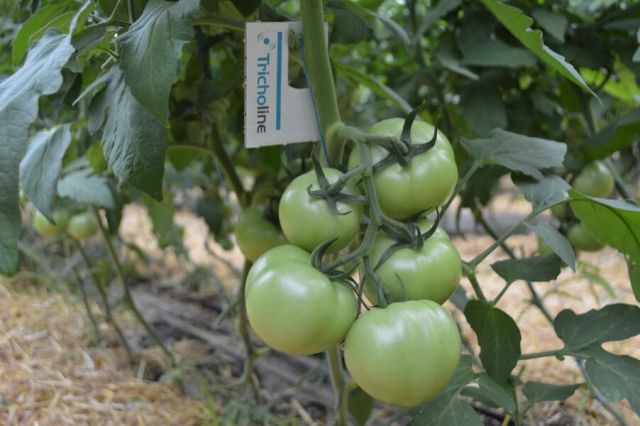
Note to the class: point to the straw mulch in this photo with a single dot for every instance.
(51, 375)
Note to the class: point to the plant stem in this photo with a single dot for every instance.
(534, 355)
(247, 373)
(316, 56)
(338, 383)
(87, 306)
(105, 301)
(228, 167)
(127, 291)
(220, 21)
(471, 275)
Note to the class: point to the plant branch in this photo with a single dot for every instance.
(127, 291)
(251, 354)
(220, 21)
(228, 167)
(338, 383)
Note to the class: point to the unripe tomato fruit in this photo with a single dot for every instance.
(595, 180)
(308, 221)
(560, 212)
(582, 239)
(425, 183)
(255, 234)
(294, 307)
(48, 229)
(431, 272)
(405, 353)
(82, 226)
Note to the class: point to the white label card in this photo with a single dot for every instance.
(274, 112)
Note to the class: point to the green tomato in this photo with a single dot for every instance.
(308, 221)
(83, 226)
(543, 248)
(582, 239)
(255, 234)
(403, 354)
(295, 308)
(595, 180)
(431, 272)
(425, 183)
(560, 212)
(48, 229)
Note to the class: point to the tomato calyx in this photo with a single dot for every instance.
(332, 193)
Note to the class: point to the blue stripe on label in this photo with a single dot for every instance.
(279, 81)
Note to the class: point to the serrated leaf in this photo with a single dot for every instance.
(19, 95)
(376, 86)
(482, 108)
(552, 22)
(539, 392)
(614, 222)
(535, 268)
(519, 25)
(618, 134)
(498, 336)
(611, 323)
(84, 186)
(134, 142)
(544, 193)
(616, 376)
(496, 393)
(557, 242)
(480, 47)
(40, 168)
(151, 50)
(48, 16)
(517, 152)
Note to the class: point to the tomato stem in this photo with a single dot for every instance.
(316, 56)
(338, 383)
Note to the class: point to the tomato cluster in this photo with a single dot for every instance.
(406, 348)
(79, 226)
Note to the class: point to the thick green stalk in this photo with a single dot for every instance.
(337, 381)
(316, 56)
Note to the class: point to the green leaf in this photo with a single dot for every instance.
(349, 27)
(552, 22)
(435, 13)
(164, 227)
(84, 186)
(376, 87)
(370, 16)
(246, 7)
(517, 152)
(618, 134)
(447, 409)
(616, 376)
(482, 108)
(614, 222)
(480, 46)
(40, 168)
(151, 50)
(519, 25)
(544, 193)
(19, 95)
(539, 392)
(134, 142)
(360, 405)
(496, 393)
(535, 268)
(498, 336)
(48, 16)
(612, 323)
(558, 243)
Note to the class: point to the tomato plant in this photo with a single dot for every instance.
(293, 307)
(429, 272)
(47, 229)
(582, 239)
(595, 180)
(424, 183)
(307, 221)
(255, 234)
(404, 354)
(82, 225)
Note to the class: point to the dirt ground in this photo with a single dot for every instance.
(53, 372)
